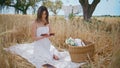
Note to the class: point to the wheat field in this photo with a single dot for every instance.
(103, 31)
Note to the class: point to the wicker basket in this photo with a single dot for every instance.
(81, 54)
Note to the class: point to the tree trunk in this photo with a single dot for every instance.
(88, 9)
(24, 12)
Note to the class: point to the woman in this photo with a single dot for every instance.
(41, 28)
(40, 52)
(41, 31)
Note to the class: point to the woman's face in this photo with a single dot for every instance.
(44, 14)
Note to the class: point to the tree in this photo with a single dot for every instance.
(20, 5)
(23, 5)
(2, 4)
(88, 9)
(53, 6)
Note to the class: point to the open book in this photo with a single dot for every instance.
(51, 34)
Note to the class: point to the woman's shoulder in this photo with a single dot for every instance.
(48, 25)
(34, 24)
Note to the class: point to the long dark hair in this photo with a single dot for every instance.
(39, 14)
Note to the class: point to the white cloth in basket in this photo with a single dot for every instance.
(79, 42)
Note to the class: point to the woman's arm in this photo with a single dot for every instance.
(50, 31)
(33, 32)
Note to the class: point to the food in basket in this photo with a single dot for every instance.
(74, 42)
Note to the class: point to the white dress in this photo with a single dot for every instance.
(41, 52)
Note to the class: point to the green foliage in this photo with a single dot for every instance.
(53, 6)
(4, 2)
(71, 16)
(19, 5)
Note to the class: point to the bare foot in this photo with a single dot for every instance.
(55, 57)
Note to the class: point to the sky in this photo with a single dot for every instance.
(105, 7)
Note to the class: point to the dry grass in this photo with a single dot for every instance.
(103, 31)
